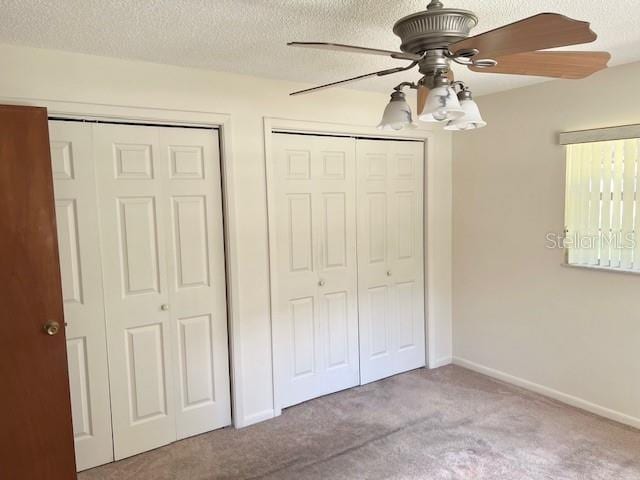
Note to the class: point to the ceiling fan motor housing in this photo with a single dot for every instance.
(434, 28)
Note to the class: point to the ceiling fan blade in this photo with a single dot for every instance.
(423, 93)
(540, 32)
(351, 48)
(381, 73)
(558, 64)
(450, 76)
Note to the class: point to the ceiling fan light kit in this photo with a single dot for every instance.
(471, 118)
(397, 114)
(435, 38)
(442, 104)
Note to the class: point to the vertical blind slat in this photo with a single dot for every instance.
(636, 236)
(572, 200)
(608, 152)
(628, 199)
(616, 201)
(585, 204)
(568, 198)
(595, 205)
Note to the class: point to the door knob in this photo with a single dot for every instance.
(321, 283)
(51, 327)
(388, 273)
(164, 307)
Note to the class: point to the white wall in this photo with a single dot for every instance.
(517, 312)
(43, 74)
(439, 258)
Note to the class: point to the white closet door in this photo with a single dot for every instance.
(133, 218)
(390, 257)
(78, 243)
(314, 282)
(196, 278)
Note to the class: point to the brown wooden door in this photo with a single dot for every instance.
(36, 436)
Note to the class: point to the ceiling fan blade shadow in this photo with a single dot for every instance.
(556, 64)
(540, 32)
(381, 73)
(354, 49)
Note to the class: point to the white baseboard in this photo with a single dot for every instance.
(255, 418)
(550, 392)
(440, 362)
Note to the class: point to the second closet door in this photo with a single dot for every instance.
(161, 227)
(390, 257)
(315, 319)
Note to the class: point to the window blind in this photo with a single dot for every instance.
(601, 212)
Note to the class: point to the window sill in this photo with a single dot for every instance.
(602, 269)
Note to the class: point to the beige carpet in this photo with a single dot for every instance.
(448, 424)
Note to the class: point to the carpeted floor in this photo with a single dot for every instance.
(448, 423)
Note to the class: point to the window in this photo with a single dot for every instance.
(602, 216)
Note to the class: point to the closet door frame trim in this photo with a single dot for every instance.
(182, 118)
(274, 125)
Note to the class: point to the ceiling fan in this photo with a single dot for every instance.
(436, 37)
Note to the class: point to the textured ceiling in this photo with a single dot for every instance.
(249, 36)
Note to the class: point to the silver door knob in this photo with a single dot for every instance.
(164, 307)
(321, 283)
(388, 273)
(51, 327)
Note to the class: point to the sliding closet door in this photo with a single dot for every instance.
(80, 268)
(196, 278)
(390, 257)
(314, 282)
(133, 217)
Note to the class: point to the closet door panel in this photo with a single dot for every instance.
(146, 373)
(406, 295)
(314, 277)
(304, 337)
(138, 245)
(133, 215)
(376, 228)
(300, 219)
(336, 308)
(390, 265)
(297, 331)
(378, 311)
(407, 253)
(374, 233)
(196, 278)
(334, 175)
(78, 244)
